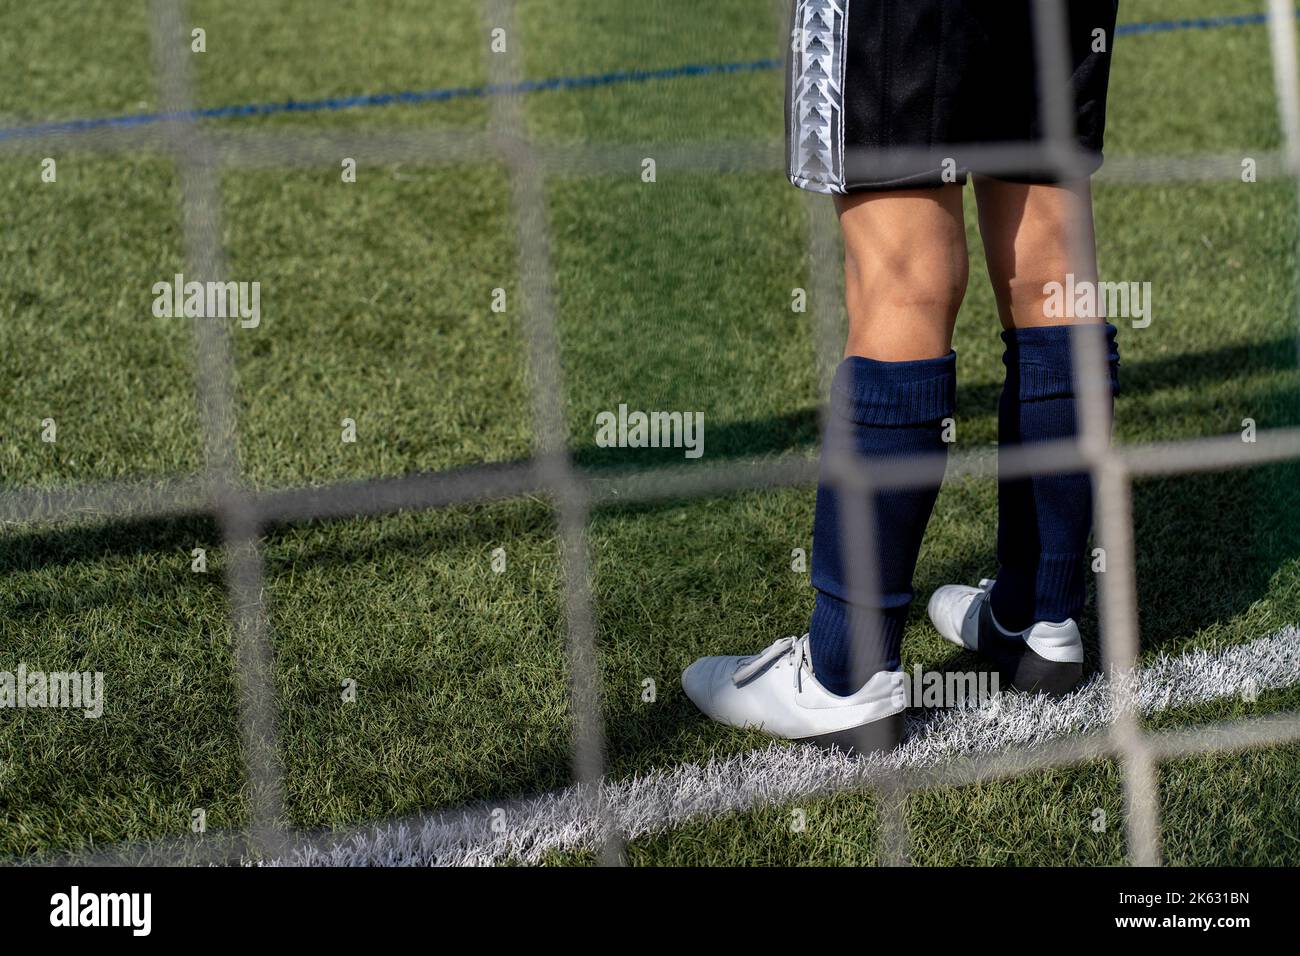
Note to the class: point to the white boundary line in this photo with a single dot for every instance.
(530, 829)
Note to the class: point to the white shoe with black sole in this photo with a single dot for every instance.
(1044, 658)
(777, 692)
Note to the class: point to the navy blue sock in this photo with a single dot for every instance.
(1043, 522)
(879, 411)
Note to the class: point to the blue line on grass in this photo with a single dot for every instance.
(1195, 23)
(335, 103)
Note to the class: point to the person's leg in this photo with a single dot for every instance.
(905, 275)
(905, 271)
(1035, 236)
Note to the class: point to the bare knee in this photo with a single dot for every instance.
(905, 271)
(1038, 241)
(908, 280)
(904, 308)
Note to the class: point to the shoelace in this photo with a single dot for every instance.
(798, 646)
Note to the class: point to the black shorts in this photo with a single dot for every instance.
(950, 86)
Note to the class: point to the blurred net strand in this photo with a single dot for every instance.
(235, 512)
(848, 474)
(243, 513)
(827, 281)
(314, 148)
(1286, 79)
(546, 385)
(474, 484)
(1117, 585)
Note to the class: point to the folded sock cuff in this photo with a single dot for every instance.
(870, 392)
(1041, 360)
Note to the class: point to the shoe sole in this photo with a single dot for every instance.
(874, 737)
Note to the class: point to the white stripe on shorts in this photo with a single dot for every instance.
(817, 95)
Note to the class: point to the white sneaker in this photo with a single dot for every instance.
(1044, 658)
(777, 692)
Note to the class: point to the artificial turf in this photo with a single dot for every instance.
(670, 295)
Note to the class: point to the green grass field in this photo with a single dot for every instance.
(673, 295)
